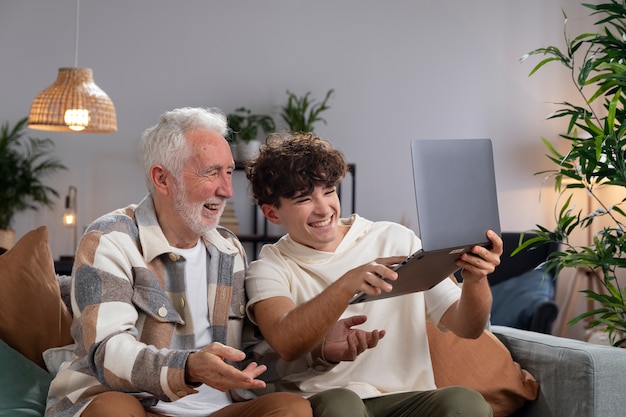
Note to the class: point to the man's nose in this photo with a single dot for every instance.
(225, 188)
(320, 206)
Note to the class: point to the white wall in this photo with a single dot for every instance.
(400, 69)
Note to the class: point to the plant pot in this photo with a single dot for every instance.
(247, 150)
(7, 238)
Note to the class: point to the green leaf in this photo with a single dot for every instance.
(541, 64)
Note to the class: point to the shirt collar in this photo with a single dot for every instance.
(154, 242)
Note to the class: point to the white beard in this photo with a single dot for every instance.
(192, 214)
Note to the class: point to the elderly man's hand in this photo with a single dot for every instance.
(208, 366)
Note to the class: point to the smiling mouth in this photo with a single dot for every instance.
(322, 223)
(212, 206)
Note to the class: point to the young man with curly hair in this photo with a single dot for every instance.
(301, 285)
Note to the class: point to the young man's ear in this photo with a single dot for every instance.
(269, 211)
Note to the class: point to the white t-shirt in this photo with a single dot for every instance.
(401, 361)
(207, 400)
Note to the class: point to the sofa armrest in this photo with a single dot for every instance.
(575, 378)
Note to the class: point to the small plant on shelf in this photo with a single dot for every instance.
(246, 127)
(302, 113)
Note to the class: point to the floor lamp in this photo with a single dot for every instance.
(583, 277)
(69, 215)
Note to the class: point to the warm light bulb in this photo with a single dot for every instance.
(76, 119)
(69, 218)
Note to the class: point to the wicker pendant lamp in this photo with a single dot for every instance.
(73, 103)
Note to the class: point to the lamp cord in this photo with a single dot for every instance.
(76, 35)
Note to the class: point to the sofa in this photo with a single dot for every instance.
(520, 373)
(576, 378)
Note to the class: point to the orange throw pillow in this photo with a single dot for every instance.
(483, 364)
(34, 318)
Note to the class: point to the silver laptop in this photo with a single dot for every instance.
(455, 189)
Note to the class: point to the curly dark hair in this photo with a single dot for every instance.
(292, 164)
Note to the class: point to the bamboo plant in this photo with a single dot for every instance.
(595, 157)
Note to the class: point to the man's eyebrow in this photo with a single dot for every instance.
(218, 167)
(299, 195)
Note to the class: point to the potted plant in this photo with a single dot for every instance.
(595, 158)
(23, 165)
(301, 113)
(245, 128)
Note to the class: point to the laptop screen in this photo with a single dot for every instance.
(455, 191)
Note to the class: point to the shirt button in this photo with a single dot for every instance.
(182, 302)
(319, 368)
(163, 311)
(242, 309)
(173, 256)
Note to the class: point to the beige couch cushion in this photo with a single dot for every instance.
(483, 364)
(33, 316)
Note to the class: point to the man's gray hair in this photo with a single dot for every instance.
(165, 143)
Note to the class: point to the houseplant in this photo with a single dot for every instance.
(595, 158)
(245, 128)
(302, 113)
(23, 165)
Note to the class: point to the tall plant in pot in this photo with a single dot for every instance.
(245, 128)
(594, 159)
(23, 166)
